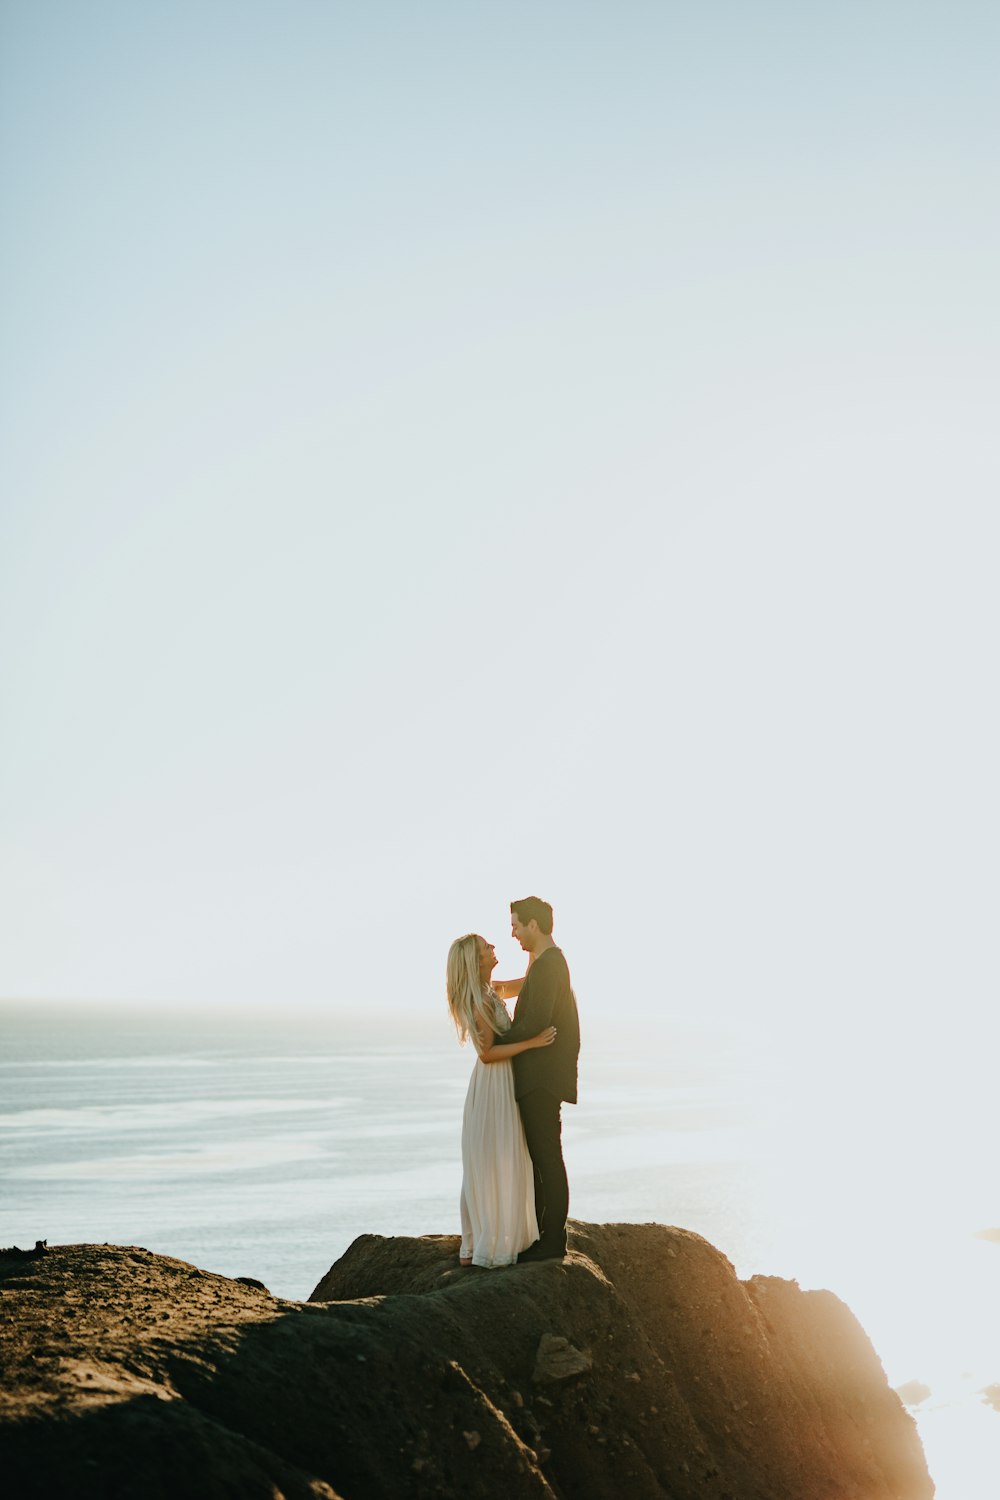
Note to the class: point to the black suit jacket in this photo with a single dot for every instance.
(546, 999)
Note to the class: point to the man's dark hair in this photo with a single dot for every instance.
(533, 909)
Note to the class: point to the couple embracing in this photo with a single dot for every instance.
(515, 1196)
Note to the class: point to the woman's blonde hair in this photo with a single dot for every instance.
(466, 999)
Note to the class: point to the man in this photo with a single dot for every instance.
(546, 1076)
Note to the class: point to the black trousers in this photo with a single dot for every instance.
(541, 1117)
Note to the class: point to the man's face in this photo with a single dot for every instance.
(487, 958)
(524, 933)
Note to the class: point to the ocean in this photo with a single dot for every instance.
(262, 1144)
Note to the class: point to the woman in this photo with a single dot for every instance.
(498, 1188)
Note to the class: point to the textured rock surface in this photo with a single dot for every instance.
(128, 1374)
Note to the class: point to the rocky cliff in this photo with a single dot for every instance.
(640, 1366)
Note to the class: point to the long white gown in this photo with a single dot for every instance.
(498, 1186)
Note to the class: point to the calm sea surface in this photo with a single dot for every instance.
(262, 1146)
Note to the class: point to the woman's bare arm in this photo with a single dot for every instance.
(491, 1051)
(507, 989)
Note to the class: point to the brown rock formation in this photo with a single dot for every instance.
(639, 1366)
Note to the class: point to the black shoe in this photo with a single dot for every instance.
(541, 1251)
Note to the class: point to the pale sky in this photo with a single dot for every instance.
(458, 451)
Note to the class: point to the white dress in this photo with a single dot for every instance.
(498, 1185)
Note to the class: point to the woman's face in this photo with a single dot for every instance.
(487, 959)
